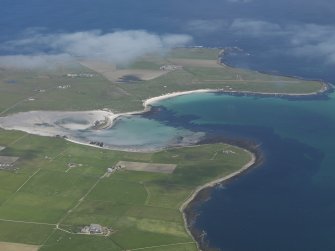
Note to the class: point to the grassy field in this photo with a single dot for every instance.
(200, 70)
(47, 200)
(143, 208)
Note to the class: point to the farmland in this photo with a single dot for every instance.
(57, 187)
(55, 89)
(44, 203)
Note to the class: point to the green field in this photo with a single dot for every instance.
(142, 208)
(46, 201)
(200, 70)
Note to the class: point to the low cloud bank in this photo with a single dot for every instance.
(301, 40)
(35, 61)
(121, 47)
(307, 40)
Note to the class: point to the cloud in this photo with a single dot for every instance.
(121, 47)
(35, 61)
(303, 40)
(315, 41)
(255, 27)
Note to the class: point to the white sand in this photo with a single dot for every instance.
(52, 123)
(153, 100)
(46, 123)
(63, 123)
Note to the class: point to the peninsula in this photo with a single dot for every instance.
(54, 191)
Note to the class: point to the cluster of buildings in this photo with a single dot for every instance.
(7, 162)
(170, 67)
(80, 75)
(228, 152)
(63, 86)
(95, 229)
(114, 168)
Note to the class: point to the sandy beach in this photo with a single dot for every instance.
(52, 123)
(64, 123)
(150, 101)
(46, 124)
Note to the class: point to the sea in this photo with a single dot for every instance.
(288, 201)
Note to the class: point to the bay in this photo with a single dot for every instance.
(287, 203)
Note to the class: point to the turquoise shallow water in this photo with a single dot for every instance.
(287, 203)
(140, 134)
(310, 122)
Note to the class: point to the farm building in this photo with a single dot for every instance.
(7, 162)
(96, 229)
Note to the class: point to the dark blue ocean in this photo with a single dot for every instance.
(287, 202)
(269, 32)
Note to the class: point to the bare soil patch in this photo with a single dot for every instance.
(196, 63)
(7, 246)
(147, 167)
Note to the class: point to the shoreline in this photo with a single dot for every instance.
(227, 50)
(326, 87)
(187, 204)
(132, 150)
(147, 103)
(147, 106)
